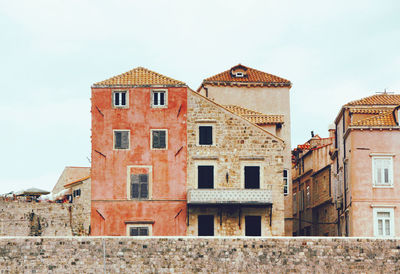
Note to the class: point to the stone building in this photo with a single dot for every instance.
(366, 165)
(234, 168)
(70, 174)
(139, 155)
(262, 94)
(314, 211)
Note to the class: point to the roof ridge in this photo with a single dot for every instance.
(139, 76)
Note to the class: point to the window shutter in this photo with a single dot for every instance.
(117, 139)
(162, 139)
(134, 231)
(143, 231)
(124, 139)
(134, 186)
(144, 186)
(156, 139)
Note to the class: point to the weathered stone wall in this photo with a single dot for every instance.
(83, 202)
(236, 143)
(193, 255)
(20, 218)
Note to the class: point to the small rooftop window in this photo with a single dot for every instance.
(239, 74)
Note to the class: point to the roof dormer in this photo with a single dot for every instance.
(239, 71)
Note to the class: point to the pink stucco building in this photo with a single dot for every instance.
(366, 164)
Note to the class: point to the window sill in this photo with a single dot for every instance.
(159, 107)
(120, 107)
(383, 186)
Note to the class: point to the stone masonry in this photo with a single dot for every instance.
(237, 142)
(20, 218)
(198, 255)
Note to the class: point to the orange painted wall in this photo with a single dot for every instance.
(110, 173)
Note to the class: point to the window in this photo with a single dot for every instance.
(252, 177)
(382, 171)
(121, 139)
(139, 230)
(383, 222)
(206, 225)
(205, 176)
(308, 195)
(120, 99)
(294, 203)
(205, 135)
(159, 139)
(253, 225)
(159, 98)
(76, 193)
(285, 182)
(239, 74)
(139, 186)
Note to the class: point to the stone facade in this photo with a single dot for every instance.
(236, 143)
(19, 218)
(194, 255)
(70, 174)
(83, 200)
(314, 210)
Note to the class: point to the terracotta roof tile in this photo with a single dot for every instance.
(382, 119)
(139, 77)
(254, 116)
(377, 99)
(367, 110)
(252, 77)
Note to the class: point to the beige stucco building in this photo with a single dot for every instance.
(261, 94)
(235, 178)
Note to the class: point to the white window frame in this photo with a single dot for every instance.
(377, 210)
(129, 139)
(239, 74)
(166, 139)
(383, 157)
(149, 227)
(114, 105)
(165, 98)
(128, 182)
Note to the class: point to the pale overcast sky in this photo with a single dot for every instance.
(52, 51)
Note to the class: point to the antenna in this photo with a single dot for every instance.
(88, 159)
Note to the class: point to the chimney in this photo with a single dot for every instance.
(332, 130)
(312, 133)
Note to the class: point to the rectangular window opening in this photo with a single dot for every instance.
(205, 135)
(159, 98)
(121, 139)
(252, 177)
(120, 99)
(159, 139)
(253, 225)
(139, 231)
(139, 186)
(205, 176)
(206, 225)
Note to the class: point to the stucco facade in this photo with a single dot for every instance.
(123, 148)
(264, 93)
(236, 144)
(366, 165)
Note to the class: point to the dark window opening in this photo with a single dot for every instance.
(159, 139)
(205, 176)
(206, 225)
(252, 177)
(139, 186)
(120, 99)
(121, 139)
(139, 231)
(123, 98)
(205, 135)
(253, 225)
(158, 98)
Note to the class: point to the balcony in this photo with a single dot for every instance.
(229, 197)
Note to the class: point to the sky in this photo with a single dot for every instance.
(52, 51)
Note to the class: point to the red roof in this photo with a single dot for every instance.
(377, 99)
(247, 77)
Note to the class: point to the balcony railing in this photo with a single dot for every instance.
(229, 196)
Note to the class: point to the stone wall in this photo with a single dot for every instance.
(20, 218)
(236, 143)
(193, 255)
